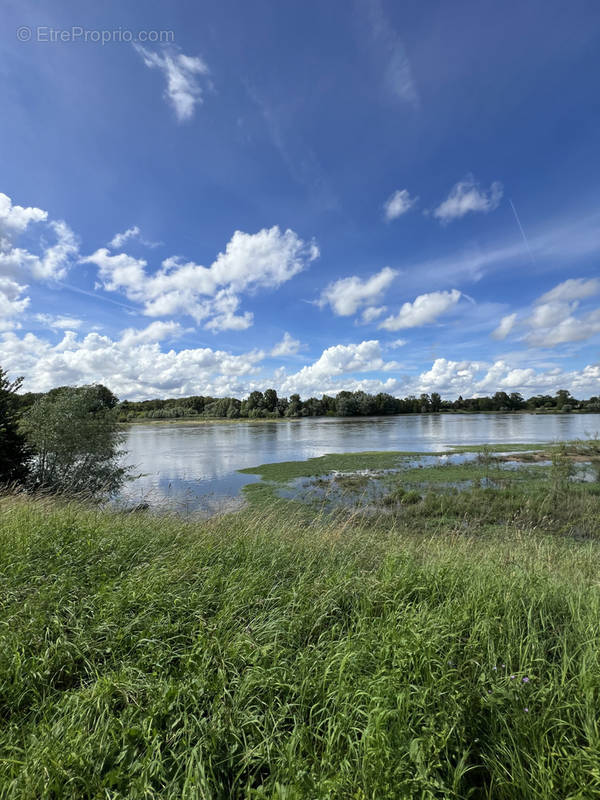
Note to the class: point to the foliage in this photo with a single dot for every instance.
(13, 448)
(268, 405)
(75, 438)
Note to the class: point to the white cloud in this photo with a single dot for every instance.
(12, 304)
(288, 346)
(209, 294)
(372, 313)
(119, 239)
(424, 309)
(133, 365)
(56, 258)
(505, 327)
(572, 289)
(18, 264)
(155, 332)
(466, 196)
(335, 361)
(399, 203)
(476, 378)
(60, 322)
(347, 295)
(553, 320)
(398, 343)
(15, 219)
(182, 74)
(389, 51)
(567, 329)
(547, 315)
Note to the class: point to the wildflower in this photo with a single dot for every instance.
(494, 668)
(512, 677)
(526, 679)
(526, 709)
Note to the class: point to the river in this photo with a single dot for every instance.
(194, 466)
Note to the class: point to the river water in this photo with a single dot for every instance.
(194, 466)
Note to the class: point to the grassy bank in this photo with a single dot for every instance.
(263, 656)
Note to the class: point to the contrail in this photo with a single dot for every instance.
(522, 231)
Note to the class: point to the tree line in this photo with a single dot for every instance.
(267, 405)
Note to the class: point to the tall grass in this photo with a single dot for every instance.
(257, 656)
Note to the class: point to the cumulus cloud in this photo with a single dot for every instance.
(567, 329)
(348, 295)
(265, 259)
(398, 204)
(335, 361)
(466, 197)
(288, 346)
(133, 366)
(506, 325)
(15, 219)
(52, 262)
(12, 303)
(476, 378)
(56, 258)
(555, 317)
(18, 264)
(182, 73)
(424, 309)
(136, 366)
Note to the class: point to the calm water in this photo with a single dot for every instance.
(195, 465)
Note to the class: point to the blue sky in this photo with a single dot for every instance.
(313, 196)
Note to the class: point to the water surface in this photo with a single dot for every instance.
(195, 465)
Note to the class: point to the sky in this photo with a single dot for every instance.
(216, 197)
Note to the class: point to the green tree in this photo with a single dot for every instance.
(75, 438)
(425, 403)
(270, 400)
(294, 407)
(436, 401)
(13, 448)
(563, 397)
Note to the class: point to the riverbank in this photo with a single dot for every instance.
(199, 419)
(292, 656)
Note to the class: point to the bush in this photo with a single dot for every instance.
(75, 438)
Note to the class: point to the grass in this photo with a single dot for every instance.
(380, 480)
(270, 655)
(284, 471)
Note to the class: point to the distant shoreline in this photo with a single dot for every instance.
(200, 420)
